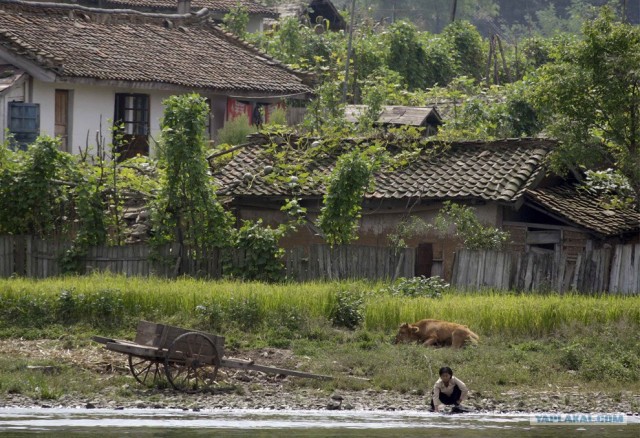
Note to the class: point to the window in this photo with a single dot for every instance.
(132, 114)
(24, 122)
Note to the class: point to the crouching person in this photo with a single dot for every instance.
(448, 390)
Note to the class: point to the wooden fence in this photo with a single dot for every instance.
(6, 256)
(324, 262)
(38, 258)
(613, 270)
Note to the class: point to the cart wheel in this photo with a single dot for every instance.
(192, 362)
(145, 370)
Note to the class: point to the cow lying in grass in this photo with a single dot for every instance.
(436, 333)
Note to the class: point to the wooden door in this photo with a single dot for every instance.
(61, 129)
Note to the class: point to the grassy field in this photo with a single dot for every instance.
(527, 341)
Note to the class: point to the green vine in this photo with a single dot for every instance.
(342, 208)
(186, 209)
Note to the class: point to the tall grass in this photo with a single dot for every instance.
(493, 313)
(108, 300)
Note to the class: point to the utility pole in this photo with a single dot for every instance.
(346, 68)
(454, 6)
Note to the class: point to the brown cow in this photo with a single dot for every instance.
(433, 332)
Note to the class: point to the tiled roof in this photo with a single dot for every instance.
(585, 210)
(492, 171)
(176, 50)
(220, 6)
(396, 114)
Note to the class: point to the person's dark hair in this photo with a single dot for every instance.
(446, 370)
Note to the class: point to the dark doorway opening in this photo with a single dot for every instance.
(424, 259)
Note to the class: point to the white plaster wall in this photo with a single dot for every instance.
(92, 106)
(91, 112)
(255, 24)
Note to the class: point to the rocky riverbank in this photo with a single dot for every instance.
(277, 397)
(255, 390)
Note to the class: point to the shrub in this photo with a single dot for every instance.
(66, 307)
(428, 287)
(262, 256)
(278, 117)
(348, 310)
(244, 312)
(107, 308)
(572, 357)
(235, 131)
(213, 315)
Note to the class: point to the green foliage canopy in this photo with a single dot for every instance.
(236, 20)
(590, 95)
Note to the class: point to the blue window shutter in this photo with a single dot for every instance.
(24, 122)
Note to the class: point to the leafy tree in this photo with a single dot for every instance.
(326, 112)
(236, 20)
(406, 55)
(434, 15)
(368, 56)
(377, 91)
(591, 95)
(440, 65)
(186, 209)
(299, 46)
(466, 43)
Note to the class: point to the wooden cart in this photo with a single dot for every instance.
(189, 359)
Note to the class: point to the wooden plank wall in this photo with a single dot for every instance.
(324, 262)
(625, 270)
(43, 257)
(613, 270)
(7, 267)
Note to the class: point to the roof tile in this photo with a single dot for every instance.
(492, 171)
(221, 6)
(585, 209)
(112, 45)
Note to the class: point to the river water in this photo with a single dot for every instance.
(96, 423)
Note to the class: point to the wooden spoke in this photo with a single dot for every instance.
(192, 362)
(145, 371)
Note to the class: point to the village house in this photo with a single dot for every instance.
(505, 181)
(70, 71)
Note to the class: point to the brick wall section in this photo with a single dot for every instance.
(573, 243)
(517, 238)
